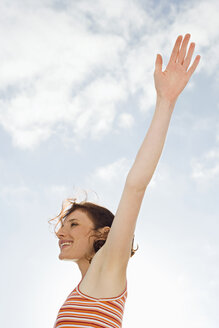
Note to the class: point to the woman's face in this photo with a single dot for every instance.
(77, 227)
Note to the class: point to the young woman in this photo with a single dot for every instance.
(101, 243)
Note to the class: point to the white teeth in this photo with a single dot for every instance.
(66, 244)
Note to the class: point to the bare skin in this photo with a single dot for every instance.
(79, 232)
(111, 280)
(171, 82)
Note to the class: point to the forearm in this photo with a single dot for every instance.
(150, 151)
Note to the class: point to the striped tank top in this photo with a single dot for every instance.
(82, 311)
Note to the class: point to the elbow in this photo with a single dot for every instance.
(135, 186)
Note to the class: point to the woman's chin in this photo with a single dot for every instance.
(64, 258)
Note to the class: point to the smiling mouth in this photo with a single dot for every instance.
(66, 246)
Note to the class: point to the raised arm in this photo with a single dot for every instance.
(169, 84)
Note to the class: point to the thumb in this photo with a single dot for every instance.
(158, 63)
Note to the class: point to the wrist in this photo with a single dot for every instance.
(165, 103)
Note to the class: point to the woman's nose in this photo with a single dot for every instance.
(60, 232)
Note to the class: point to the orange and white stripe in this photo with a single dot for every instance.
(82, 311)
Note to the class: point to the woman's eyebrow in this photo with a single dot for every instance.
(63, 224)
(71, 220)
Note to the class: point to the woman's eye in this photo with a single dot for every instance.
(73, 224)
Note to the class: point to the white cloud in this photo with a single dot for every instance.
(114, 171)
(96, 105)
(46, 65)
(109, 16)
(108, 182)
(125, 120)
(206, 168)
(70, 68)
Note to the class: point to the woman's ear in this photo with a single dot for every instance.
(104, 231)
(107, 229)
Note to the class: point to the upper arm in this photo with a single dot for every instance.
(119, 240)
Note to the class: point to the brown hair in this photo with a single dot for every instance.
(99, 215)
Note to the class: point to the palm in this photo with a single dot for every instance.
(170, 83)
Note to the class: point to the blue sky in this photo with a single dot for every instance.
(76, 99)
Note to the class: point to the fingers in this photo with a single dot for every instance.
(183, 49)
(175, 51)
(194, 65)
(189, 56)
(178, 55)
(158, 63)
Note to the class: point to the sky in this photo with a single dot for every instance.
(77, 97)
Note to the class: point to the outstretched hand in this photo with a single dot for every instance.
(170, 83)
